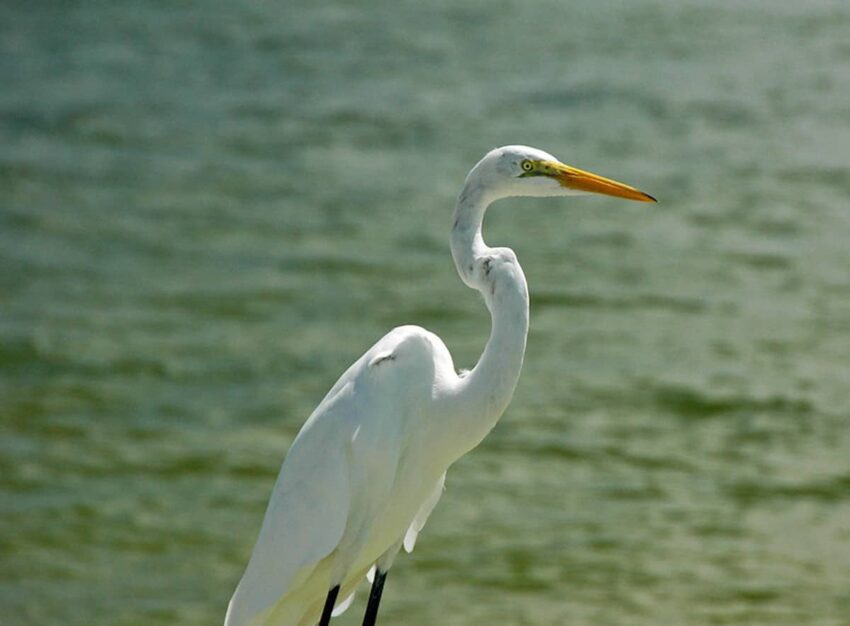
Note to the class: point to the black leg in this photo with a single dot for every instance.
(374, 598)
(329, 606)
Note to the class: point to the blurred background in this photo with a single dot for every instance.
(208, 210)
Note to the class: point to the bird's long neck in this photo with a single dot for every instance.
(483, 394)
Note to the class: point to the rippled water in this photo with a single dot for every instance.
(208, 210)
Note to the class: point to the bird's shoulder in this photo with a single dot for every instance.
(394, 376)
(399, 349)
(404, 345)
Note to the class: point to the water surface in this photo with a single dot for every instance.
(208, 210)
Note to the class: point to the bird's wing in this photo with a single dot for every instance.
(352, 440)
(306, 514)
(343, 606)
(422, 516)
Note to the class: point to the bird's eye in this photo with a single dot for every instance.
(527, 165)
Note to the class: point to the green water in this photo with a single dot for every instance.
(208, 210)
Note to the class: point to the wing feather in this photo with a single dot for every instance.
(424, 513)
(306, 514)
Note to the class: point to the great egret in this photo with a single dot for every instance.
(367, 468)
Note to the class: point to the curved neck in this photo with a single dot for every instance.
(482, 395)
(468, 247)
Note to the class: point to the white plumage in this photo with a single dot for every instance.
(368, 466)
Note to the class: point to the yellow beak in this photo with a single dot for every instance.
(574, 178)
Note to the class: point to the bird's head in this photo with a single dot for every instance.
(525, 171)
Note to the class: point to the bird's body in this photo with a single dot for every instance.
(352, 449)
(368, 466)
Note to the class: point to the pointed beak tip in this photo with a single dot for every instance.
(649, 198)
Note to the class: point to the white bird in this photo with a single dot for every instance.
(368, 466)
